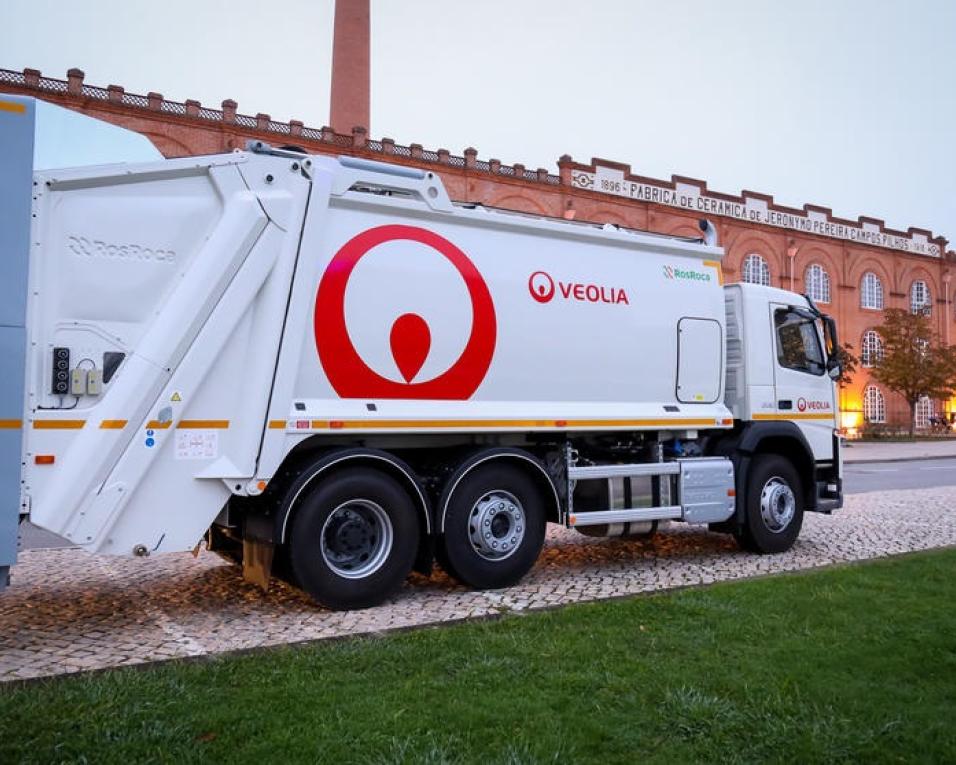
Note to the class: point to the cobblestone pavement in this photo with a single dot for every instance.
(68, 611)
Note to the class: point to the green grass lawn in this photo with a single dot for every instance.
(849, 664)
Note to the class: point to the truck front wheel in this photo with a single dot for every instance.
(353, 539)
(494, 528)
(774, 511)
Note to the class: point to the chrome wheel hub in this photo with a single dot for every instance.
(356, 538)
(496, 525)
(777, 504)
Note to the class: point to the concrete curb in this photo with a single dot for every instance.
(871, 460)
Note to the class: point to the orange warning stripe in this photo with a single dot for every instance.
(720, 271)
(13, 107)
(708, 422)
(405, 424)
(792, 416)
(11, 424)
(119, 424)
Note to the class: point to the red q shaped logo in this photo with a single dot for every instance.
(410, 336)
(541, 286)
(802, 404)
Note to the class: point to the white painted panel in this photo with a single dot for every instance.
(700, 350)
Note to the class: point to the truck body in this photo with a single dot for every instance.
(326, 368)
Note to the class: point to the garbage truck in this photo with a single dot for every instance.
(327, 369)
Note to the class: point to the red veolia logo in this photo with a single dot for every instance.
(410, 337)
(541, 286)
(802, 404)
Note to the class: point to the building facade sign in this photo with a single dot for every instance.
(687, 196)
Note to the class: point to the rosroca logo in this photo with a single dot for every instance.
(409, 335)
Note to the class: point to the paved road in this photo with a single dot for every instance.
(884, 476)
(67, 611)
(858, 478)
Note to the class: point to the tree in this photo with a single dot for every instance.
(848, 363)
(914, 363)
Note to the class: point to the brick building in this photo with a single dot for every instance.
(854, 269)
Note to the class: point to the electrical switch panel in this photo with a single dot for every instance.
(78, 382)
(61, 371)
(94, 382)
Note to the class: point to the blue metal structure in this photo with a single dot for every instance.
(17, 129)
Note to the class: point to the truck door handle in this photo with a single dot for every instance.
(785, 403)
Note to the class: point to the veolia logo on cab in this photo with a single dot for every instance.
(410, 343)
(541, 285)
(814, 406)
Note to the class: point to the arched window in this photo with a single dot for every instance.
(924, 410)
(871, 292)
(874, 407)
(817, 281)
(756, 270)
(920, 297)
(871, 352)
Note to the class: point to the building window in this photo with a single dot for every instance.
(756, 270)
(871, 292)
(872, 348)
(817, 282)
(924, 411)
(874, 407)
(920, 298)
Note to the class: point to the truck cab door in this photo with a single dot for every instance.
(803, 389)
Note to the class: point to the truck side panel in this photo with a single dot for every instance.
(522, 324)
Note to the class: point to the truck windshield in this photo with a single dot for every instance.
(798, 344)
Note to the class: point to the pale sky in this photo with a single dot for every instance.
(849, 104)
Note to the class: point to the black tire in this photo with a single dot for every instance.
(354, 492)
(772, 481)
(458, 554)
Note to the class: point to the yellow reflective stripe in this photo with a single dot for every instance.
(58, 424)
(720, 271)
(11, 424)
(277, 424)
(113, 424)
(203, 424)
(13, 107)
(437, 424)
(794, 416)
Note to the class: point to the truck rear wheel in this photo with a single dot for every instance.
(353, 539)
(494, 528)
(774, 513)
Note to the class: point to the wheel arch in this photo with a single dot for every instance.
(529, 464)
(326, 464)
(783, 438)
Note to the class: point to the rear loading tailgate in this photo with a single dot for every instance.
(163, 287)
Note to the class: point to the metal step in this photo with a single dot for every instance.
(598, 517)
(588, 472)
